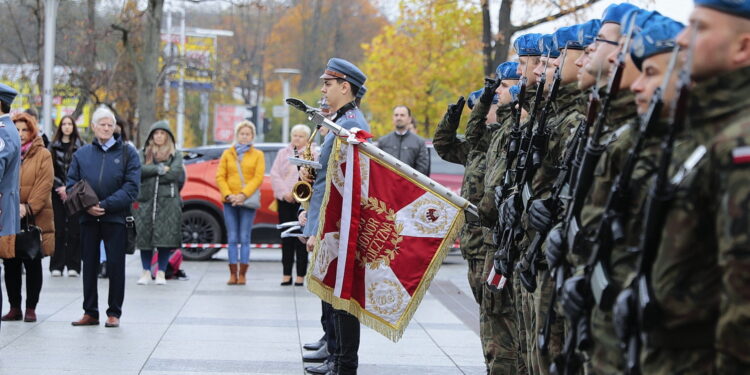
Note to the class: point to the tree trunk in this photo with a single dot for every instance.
(505, 33)
(487, 38)
(89, 58)
(148, 67)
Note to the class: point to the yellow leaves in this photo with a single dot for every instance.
(429, 57)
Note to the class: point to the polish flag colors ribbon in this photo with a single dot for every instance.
(381, 239)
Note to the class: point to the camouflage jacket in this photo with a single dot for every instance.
(703, 255)
(448, 146)
(472, 187)
(496, 157)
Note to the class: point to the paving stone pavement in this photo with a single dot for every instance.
(203, 326)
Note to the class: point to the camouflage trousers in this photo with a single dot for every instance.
(606, 354)
(476, 271)
(662, 361)
(498, 329)
(539, 308)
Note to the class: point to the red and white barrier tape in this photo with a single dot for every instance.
(222, 245)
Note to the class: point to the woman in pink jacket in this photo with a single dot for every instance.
(283, 177)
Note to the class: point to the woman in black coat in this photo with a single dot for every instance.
(67, 230)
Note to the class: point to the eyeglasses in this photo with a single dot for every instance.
(610, 42)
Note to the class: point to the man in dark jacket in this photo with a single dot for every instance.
(404, 144)
(113, 170)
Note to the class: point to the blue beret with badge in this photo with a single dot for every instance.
(340, 68)
(659, 36)
(615, 12)
(739, 8)
(7, 94)
(474, 98)
(642, 19)
(507, 70)
(566, 37)
(528, 45)
(547, 46)
(588, 31)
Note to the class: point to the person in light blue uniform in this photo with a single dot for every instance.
(342, 82)
(10, 166)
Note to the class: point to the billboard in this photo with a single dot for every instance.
(200, 57)
(225, 118)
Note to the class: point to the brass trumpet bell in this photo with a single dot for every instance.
(302, 191)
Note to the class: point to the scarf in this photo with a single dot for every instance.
(242, 149)
(25, 148)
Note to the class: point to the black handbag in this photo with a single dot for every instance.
(29, 239)
(129, 219)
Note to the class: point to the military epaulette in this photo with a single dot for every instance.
(741, 155)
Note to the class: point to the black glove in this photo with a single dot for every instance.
(499, 197)
(510, 211)
(454, 113)
(500, 261)
(574, 296)
(555, 248)
(490, 86)
(541, 216)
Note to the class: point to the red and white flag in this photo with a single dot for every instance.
(382, 237)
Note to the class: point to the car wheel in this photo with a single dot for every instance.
(199, 226)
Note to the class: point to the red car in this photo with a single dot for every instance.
(202, 217)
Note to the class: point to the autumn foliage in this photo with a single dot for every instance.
(429, 57)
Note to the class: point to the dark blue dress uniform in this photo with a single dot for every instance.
(345, 326)
(10, 169)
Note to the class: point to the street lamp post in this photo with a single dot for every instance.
(50, 15)
(285, 74)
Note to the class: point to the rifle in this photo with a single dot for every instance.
(636, 310)
(504, 257)
(584, 179)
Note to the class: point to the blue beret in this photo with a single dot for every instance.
(615, 12)
(528, 45)
(507, 70)
(659, 36)
(515, 91)
(739, 8)
(474, 98)
(340, 68)
(7, 94)
(642, 19)
(566, 37)
(361, 92)
(588, 31)
(547, 46)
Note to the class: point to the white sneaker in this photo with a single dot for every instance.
(56, 273)
(160, 278)
(145, 277)
(72, 273)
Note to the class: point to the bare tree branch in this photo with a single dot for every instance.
(553, 17)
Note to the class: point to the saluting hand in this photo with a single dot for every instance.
(454, 113)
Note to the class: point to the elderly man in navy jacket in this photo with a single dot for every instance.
(113, 170)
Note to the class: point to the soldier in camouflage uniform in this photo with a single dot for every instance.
(502, 350)
(700, 273)
(471, 153)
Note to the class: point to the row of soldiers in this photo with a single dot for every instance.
(611, 168)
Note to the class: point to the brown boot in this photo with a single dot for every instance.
(13, 314)
(29, 316)
(243, 270)
(232, 274)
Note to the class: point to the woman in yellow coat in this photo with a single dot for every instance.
(239, 175)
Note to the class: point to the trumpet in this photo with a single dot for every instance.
(302, 190)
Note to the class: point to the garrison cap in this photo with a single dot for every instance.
(362, 91)
(528, 45)
(566, 37)
(615, 12)
(7, 93)
(587, 32)
(507, 70)
(659, 36)
(474, 98)
(642, 19)
(547, 46)
(340, 68)
(739, 8)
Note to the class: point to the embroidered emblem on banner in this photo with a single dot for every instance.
(379, 238)
(386, 297)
